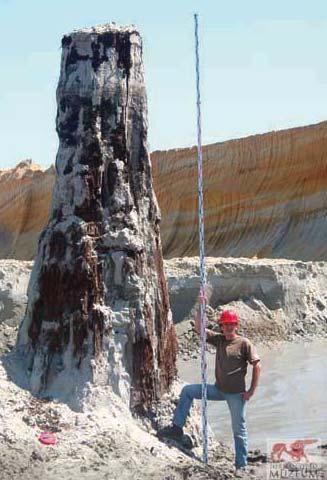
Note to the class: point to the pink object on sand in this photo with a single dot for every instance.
(48, 438)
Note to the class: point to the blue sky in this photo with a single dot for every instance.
(263, 65)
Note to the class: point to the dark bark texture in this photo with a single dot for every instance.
(98, 309)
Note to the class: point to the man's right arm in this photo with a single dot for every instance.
(211, 336)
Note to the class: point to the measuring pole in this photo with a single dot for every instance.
(201, 252)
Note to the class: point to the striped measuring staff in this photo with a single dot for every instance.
(201, 252)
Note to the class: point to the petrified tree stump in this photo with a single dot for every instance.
(98, 309)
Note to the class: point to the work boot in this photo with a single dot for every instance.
(172, 431)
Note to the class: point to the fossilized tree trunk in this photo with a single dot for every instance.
(98, 309)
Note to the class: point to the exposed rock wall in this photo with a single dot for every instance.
(25, 196)
(98, 307)
(264, 195)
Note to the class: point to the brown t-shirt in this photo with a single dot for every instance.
(232, 357)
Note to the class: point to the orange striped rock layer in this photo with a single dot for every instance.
(264, 196)
(25, 196)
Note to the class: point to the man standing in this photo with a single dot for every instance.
(233, 354)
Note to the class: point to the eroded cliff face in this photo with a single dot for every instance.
(25, 196)
(98, 307)
(265, 196)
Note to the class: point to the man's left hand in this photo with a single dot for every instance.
(247, 395)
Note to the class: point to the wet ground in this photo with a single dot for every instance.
(291, 400)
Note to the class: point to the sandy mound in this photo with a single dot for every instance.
(102, 441)
(275, 299)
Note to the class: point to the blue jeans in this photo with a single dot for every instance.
(236, 406)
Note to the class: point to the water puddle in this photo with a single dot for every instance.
(291, 400)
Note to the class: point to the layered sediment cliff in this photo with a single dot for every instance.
(265, 196)
(25, 197)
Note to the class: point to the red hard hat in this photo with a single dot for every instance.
(227, 316)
